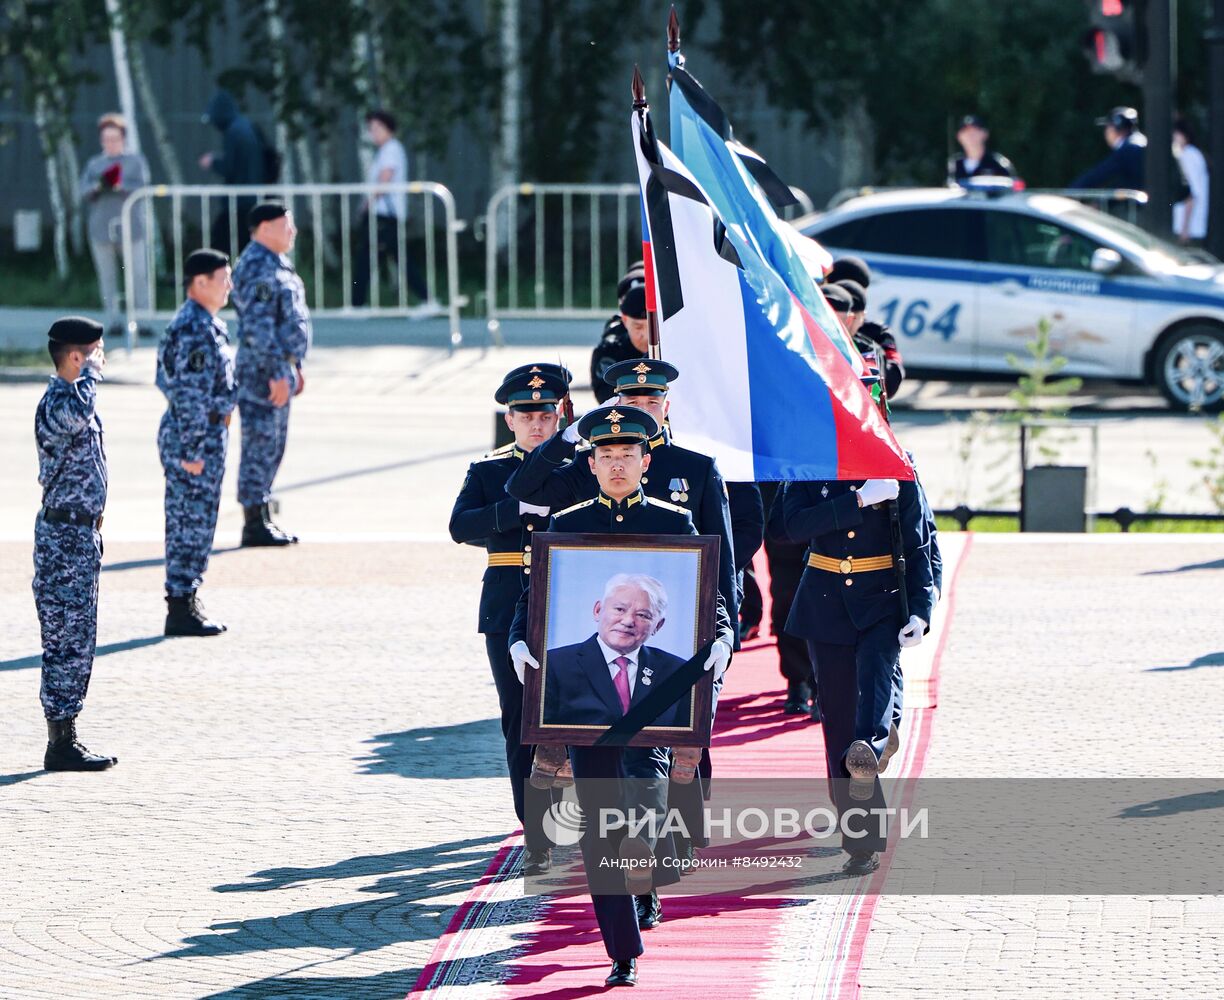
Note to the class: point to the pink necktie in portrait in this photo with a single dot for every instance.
(621, 682)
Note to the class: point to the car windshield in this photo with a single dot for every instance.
(1106, 227)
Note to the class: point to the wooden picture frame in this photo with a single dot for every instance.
(572, 700)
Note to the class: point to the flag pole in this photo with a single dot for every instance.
(640, 105)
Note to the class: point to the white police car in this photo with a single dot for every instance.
(963, 279)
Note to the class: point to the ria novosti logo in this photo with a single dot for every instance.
(564, 822)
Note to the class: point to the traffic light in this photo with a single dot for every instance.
(1115, 42)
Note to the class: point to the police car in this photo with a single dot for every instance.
(963, 278)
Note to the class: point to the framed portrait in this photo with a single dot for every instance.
(611, 618)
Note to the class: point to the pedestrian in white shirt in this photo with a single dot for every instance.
(1190, 213)
(390, 211)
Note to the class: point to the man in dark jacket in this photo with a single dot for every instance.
(241, 161)
(1123, 167)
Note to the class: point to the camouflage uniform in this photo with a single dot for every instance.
(274, 335)
(195, 371)
(68, 554)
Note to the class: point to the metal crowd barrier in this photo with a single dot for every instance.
(585, 233)
(183, 218)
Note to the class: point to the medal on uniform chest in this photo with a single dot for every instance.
(824, 490)
(679, 490)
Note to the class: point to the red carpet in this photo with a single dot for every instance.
(501, 944)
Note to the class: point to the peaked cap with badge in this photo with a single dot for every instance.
(534, 387)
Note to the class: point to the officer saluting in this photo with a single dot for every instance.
(274, 335)
(484, 514)
(195, 371)
(848, 608)
(67, 535)
(619, 459)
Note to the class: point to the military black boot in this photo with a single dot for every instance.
(274, 528)
(258, 531)
(186, 616)
(65, 752)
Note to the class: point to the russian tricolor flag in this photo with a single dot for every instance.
(761, 387)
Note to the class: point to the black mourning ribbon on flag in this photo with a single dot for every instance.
(658, 701)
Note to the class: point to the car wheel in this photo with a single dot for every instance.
(1188, 368)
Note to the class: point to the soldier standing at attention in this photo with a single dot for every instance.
(195, 371)
(67, 535)
(274, 335)
(485, 514)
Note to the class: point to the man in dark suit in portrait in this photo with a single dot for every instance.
(594, 683)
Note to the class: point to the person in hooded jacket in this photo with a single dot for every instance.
(241, 161)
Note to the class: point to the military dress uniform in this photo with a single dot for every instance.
(485, 514)
(195, 372)
(640, 772)
(848, 608)
(68, 546)
(274, 336)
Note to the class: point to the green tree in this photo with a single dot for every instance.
(919, 66)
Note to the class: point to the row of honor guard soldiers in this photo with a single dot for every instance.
(203, 383)
(545, 480)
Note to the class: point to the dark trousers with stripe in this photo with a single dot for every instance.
(530, 804)
(598, 773)
(854, 686)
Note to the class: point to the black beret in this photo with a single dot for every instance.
(636, 272)
(204, 261)
(265, 211)
(973, 121)
(75, 330)
(633, 302)
(839, 298)
(854, 268)
(858, 295)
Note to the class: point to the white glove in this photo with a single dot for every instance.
(911, 635)
(720, 656)
(521, 656)
(530, 508)
(570, 434)
(877, 491)
(94, 363)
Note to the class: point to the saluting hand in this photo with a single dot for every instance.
(278, 391)
(193, 468)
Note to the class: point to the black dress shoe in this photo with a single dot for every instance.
(186, 616)
(649, 911)
(814, 710)
(66, 753)
(537, 862)
(797, 695)
(861, 863)
(686, 855)
(863, 767)
(623, 973)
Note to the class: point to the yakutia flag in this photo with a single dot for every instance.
(743, 190)
(761, 388)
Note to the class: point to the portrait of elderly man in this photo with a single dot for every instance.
(595, 682)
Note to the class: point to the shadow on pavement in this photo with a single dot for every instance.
(372, 470)
(13, 779)
(1188, 568)
(26, 662)
(1210, 660)
(465, 750)
(364, 865)
(1175, 805)
(401, 912)
(148, 563)
(389, 985)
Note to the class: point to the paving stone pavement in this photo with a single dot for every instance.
(301, 803)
